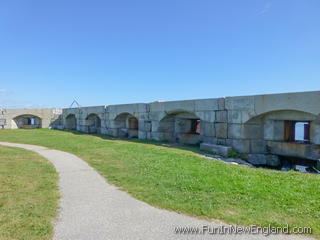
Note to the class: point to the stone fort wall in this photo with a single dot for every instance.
(260, 128)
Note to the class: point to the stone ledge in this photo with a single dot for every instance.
(218, 149)
(264, 159)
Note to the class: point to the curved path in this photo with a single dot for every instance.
(90, 208)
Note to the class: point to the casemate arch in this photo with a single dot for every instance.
(27, 121)
(93, 123)
(71, 122)
(181, 127)
(127, 125)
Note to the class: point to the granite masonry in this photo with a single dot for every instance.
(263, 129)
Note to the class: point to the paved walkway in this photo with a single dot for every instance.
(92, 209)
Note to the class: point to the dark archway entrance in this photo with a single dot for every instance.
(127, 125)
(27, 121)
(93, 123)
(71, 122)
(180, 127)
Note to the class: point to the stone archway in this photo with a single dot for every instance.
(287, 135)
(127, 125)
(93, 123)
(28, 121)
(71, 122)
(181, 127)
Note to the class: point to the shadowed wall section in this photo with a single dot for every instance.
(71, 122)
(93, 123)
(180, 127)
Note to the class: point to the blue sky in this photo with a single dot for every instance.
(125, 51)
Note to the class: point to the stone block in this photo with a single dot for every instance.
(248, 115)
(186, 138)
(239, 103)
(145, 125)
(206, 104)
(112, 132)
(142, 135)
(188, 106)
(154, 126)
(221, 130)
(234, 116)
(208, 116)
(258, 146)
(104, 130)
(167, 136)
(218, 149)
(155, 136)
(156, 106)
(301, 101)
(132, 133)
(293, 149)
(263, 159)
(143, 116)
(268, 130)
(257, 159)
(235, 131)
(273, 160)
(127, 108)
(156, 116)
(252, 131)
(207, 129)
(221, 104)
(274, 130)
(141, 125)
(315, 133)
(206, 139)
(278, 132)
(142, 107)
(240, 145)
(221, 141)
(240, 116)
(221, 116)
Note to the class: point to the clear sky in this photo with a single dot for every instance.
(125, 51)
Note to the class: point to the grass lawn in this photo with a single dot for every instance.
(28, 195)
(179, 180)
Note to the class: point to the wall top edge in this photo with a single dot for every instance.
(160, 102)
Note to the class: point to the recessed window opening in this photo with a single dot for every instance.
(195, 126)
(302, 131)
(133, 123)
(297, 131)
(31, 121)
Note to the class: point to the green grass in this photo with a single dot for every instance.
(28, 195)
(179, 180)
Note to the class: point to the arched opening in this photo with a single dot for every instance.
(27, 121)
(180, 127)
(283, 125)
(93, 123)
(127, 125)
(71, 122)
(289, 135)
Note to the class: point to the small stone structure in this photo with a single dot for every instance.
(261, 128)
(29, 118)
